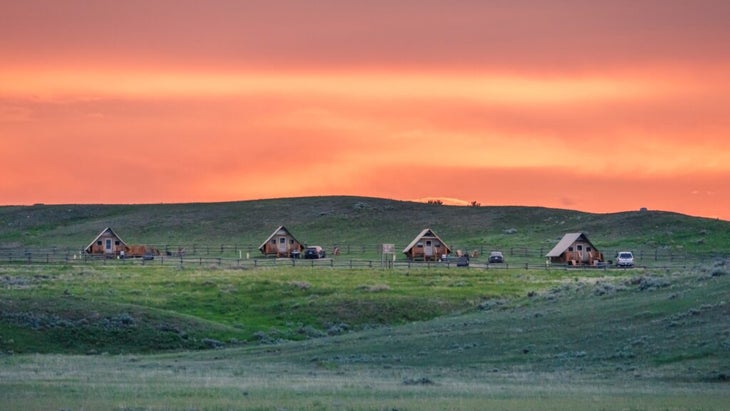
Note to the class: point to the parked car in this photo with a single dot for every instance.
(625, 259)
(314, 251)
(496, 257)
(462, 261)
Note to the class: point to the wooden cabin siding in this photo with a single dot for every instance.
(422, 251)
(281, 243)
(426, 246)
(580, 252)
(99, 246)
(272, 247)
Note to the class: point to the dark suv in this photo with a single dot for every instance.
(314, 251)
(496, 257)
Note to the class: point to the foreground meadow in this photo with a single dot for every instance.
(123, 308)
(151, 338)
(236, 381)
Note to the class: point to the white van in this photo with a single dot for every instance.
(625, 259)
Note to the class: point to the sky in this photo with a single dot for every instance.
(601, 106)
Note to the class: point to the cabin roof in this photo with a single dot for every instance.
(565, 242)
(104, 231)
(281, 227)
(424, 233)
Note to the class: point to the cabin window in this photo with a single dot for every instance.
(580, 248)
(570, 248)
(273, 241)
(437, 244)
(588, 249)
(419, 244)
(98, 242)
(282, 240)
(116, 243)
(291, 241)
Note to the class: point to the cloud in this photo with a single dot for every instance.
(569, 35)
(515, 102)
(560, 187)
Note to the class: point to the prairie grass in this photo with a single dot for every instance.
(357, 225)
(131, 308)
(513, 340)
(154, 383)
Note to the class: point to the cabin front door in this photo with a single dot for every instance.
(108, 246)
(582, 253)
(281, 245)
(428, 249)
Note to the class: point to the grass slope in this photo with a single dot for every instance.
(625, 339)
(353, 221)
(324, 338)
(133, 308)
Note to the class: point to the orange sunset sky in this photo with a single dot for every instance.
(597, 106)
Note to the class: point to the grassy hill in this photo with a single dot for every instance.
(362, 223)
(321, 338)
(423, 340)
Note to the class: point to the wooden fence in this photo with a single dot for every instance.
(515, 261)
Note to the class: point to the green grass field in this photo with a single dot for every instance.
(132, 308)
(295, 338)
(358, 225)
(128, 336)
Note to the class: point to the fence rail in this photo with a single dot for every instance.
(348, 256)
(67, 258)
(250, 251)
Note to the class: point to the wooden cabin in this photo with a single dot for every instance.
(427, 246)
(281, 243)
(107, 243)
(575, 249)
